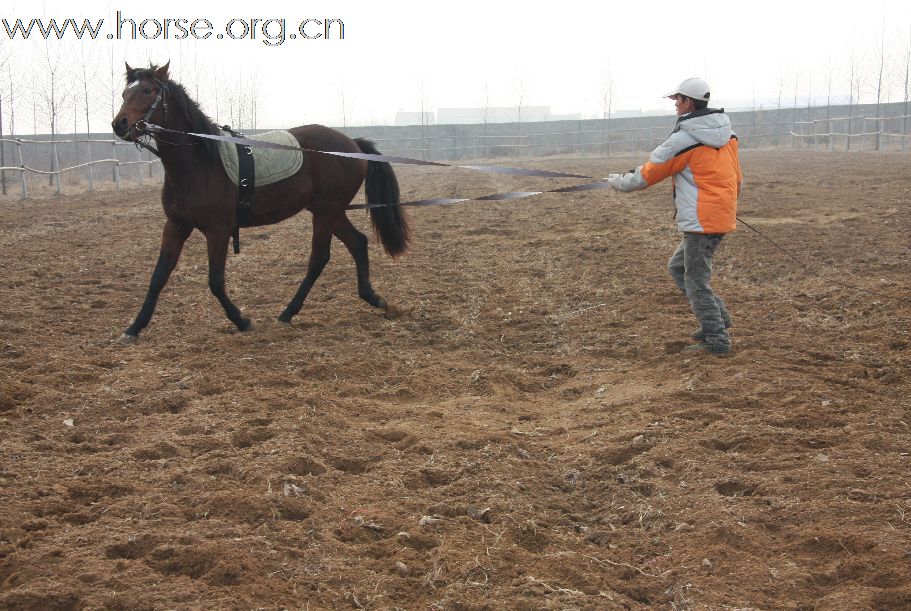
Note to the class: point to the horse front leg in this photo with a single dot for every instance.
(172, 241)
(217, 245)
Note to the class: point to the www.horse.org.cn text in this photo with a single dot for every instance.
(271, 32)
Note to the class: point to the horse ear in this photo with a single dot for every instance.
(129, 71)
(162, 73)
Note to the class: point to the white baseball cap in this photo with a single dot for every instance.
(694, 87)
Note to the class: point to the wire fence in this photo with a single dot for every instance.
(887, 133)
(32, 165)
(75, 161)
(884, 127)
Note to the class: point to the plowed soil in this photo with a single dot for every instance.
(523, 432)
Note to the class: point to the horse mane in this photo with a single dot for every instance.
(178, 99)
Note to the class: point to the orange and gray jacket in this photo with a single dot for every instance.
(701, 155)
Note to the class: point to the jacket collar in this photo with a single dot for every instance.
(696, 113)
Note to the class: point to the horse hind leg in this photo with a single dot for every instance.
(319, 257)
(356, 242)
(217, 244)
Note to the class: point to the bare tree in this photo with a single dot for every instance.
(879, 85)
(113, 84)
(243, 102)
(216, 88)
(422, 94)
(344, 102)
(829, 79)
(231, 102)
(810, 124)
(608, 90)
(520, 92)
(486, 107)
(778, 120)
(5, 55)
(196, 74)
(33, 94)
(905, 111)
(485, 117)
(88, 65)
(53, 94)
(853, 85)
(794, 111)
(255, 85)
(12, 98)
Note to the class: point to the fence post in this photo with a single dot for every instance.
(581, 138)
(879, 130)
(516, 139)
(607, 134)
(794, 124)
(116, 167)
(22, 178)
(139, 165)
(905, 126)
(2, 158)
(91, 177)
(848, 131)
(849, 124)
(57, 171)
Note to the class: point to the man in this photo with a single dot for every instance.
(701, 155)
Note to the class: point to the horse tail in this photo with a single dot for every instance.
(388, 218)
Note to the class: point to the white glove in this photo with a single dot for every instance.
(614, 181)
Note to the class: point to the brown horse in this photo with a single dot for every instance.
(198, 194)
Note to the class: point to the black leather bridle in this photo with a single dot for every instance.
(140, 125)
(161, 98)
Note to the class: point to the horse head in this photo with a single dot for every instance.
(144, 98)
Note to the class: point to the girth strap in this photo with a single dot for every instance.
(245, 184)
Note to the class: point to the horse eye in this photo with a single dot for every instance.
(147, 90)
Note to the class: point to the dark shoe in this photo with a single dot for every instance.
(705, 347)
(699, 334)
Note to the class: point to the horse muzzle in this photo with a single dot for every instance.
(122, 128)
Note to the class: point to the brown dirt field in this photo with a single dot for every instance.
(524, 434)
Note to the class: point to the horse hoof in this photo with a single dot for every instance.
(375, 300)
(245, 325)
(391, 312)
(127, 339)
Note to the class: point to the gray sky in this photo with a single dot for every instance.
(471, 53)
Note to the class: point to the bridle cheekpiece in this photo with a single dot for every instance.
(141, 124)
